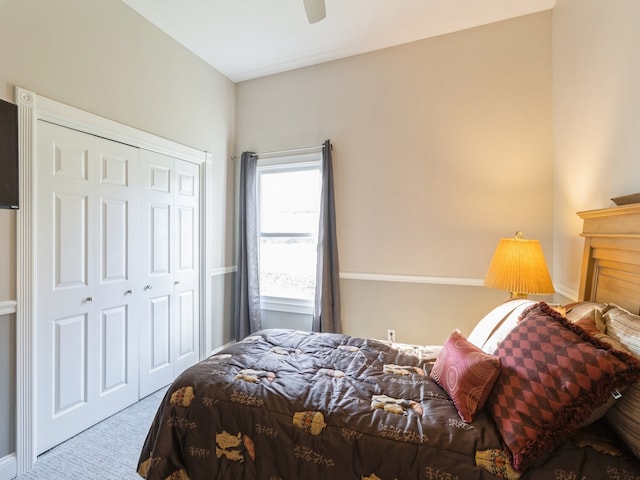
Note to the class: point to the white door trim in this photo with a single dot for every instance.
(31, 108)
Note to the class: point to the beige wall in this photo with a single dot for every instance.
(102, 57)
(596, 69)
(442, 146)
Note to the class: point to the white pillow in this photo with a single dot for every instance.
(495, 325)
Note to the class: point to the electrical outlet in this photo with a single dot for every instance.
(391, 335)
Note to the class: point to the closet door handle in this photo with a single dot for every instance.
(89, 299)
(128, 292)
(177, 282)
(148, 287)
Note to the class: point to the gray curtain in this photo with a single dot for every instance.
(326, 315)
(247, 301)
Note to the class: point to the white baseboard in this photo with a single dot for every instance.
(218, 349)
(8, 469)
(567, 292)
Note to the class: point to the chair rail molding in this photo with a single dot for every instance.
(8, 307)
(384, 277)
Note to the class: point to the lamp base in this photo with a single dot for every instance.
(515, 295)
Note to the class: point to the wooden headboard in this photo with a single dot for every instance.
(611, 259)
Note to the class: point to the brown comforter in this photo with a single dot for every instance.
(294, 405)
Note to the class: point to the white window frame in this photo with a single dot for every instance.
(284, 164)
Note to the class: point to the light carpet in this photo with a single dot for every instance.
(108, 450)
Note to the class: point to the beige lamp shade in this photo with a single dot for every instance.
(518, 266)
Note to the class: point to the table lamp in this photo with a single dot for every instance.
(518, 266)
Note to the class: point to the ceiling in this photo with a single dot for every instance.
(245, 39)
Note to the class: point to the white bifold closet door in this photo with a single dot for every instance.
(170, 322)
(88, 272)
(117, 305)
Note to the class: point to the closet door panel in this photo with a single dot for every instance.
(114, 340)
(70, 364)
(160, 339)
(70, 240)
(64, 313)
(187, 241)
(160, 240)
(157, 334)
(185, 320)
(115, 252)
(187, 272)
(116, 297)
(87, 363)
(156, 345)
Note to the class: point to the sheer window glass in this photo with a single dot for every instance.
(288, 216)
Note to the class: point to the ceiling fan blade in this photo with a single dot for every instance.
(315, 9)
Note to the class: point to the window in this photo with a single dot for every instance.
(288, 216)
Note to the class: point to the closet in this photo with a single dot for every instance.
(117, 304)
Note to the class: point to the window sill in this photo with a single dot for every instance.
(289, 305)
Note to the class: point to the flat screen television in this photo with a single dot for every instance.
(8, 155)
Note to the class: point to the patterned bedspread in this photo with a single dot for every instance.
(295, 405)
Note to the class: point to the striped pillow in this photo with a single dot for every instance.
(578, 311)
(623, 417)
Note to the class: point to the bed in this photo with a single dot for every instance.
(534, 392)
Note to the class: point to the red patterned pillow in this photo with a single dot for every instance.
(554, 375)
(466, 373)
